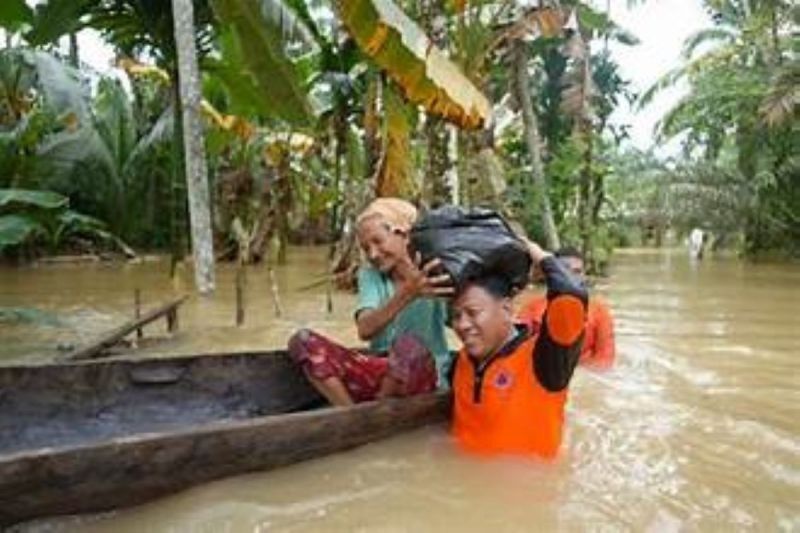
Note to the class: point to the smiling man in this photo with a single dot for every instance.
(510, 386)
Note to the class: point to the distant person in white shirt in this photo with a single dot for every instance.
(697, 240)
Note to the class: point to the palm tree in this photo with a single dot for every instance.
(741, 108)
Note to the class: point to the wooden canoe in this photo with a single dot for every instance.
(92, 436)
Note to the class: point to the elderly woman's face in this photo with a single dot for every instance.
(383, 247)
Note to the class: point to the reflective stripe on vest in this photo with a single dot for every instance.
(500, 408)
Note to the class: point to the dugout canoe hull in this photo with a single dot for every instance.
(93, 436)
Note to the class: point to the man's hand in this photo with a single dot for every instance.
(536, 252)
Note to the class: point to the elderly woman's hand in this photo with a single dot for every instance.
(425, 280)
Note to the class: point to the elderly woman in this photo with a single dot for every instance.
(397, 312)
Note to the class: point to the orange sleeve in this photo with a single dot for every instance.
(604, 346)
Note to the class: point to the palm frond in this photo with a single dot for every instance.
(160, 133)
(664, 82)
(66, 152)
(672, 123)
(705, 36)
(114, 120)
(782, 101)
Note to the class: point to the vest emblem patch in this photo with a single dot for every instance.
(504, 379)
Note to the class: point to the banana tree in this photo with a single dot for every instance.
(422, 71)
(102, 160)
(28, 216)
(426, 77)
(257, 37)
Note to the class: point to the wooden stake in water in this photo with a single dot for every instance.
(273, 286)
(240, 281)
(243, 239)
(329, 295)
(137, 302)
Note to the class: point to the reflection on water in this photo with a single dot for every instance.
(695, 429)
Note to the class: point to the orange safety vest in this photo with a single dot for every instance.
(502, 408)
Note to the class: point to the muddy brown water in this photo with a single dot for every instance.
(697, 428)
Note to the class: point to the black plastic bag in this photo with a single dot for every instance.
(471, 243)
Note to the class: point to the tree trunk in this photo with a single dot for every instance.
(533, 142)
(452, 175)
(194, 148)
(283, 205)
(584, 131)
(74, 57)
(340, 129)
(437, 189)
(372, 140)
(585, 198)
(177, 187)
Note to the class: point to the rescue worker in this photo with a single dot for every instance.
(598, 344)
(510, 387)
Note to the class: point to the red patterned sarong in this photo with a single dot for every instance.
(409, 363)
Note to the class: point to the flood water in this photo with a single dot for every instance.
(697, 428)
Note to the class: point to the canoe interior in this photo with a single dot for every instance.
(69, 404)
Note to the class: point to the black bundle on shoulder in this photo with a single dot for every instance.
(471, 244)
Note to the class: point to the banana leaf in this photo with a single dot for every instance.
(16, 229)
(425, 74)
(61, 85)
(23, 198)
(258, 45)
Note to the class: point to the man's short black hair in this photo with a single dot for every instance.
(569, 251)
(496, 285)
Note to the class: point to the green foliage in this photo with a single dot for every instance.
(28, 77)
(14, 14)
(11, 199)
(283, 64)
(101, 162)
(28, 217)
(16, 229)
(256, 42)
(739, 123)
(55, 18)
